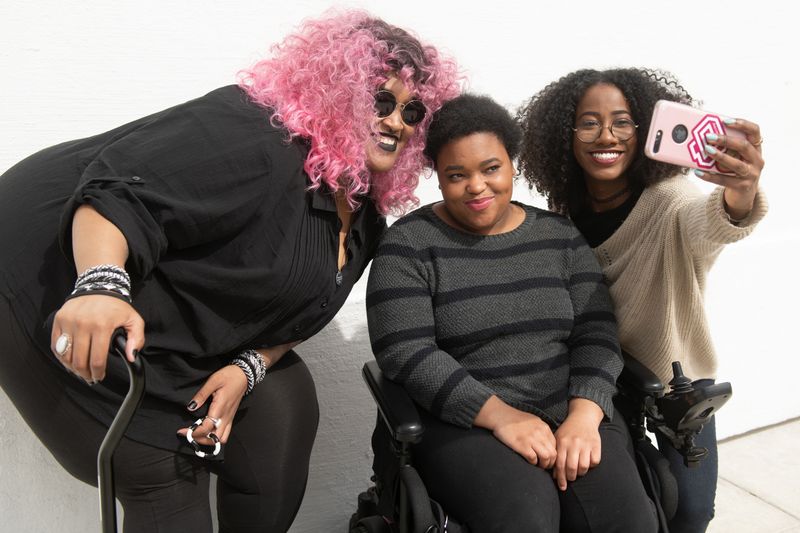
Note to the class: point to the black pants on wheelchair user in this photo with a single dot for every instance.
(481, 482)
(678, 414)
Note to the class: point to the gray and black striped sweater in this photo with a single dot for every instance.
(525, 315)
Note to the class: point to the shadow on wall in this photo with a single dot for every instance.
(36, 493)
(342, 457)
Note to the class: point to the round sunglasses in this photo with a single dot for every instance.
(411, 112)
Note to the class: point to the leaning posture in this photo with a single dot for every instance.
(226, 229)
(656, 236)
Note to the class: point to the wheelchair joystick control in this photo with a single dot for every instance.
(679, 384)
(682, 413)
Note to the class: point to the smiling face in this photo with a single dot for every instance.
(607, 158)
(476, 177)
(392, 134)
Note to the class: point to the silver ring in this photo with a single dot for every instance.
(215, 421)
(198, 450)
(63, 344)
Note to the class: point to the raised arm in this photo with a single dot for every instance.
(741, 188)
(732, 211)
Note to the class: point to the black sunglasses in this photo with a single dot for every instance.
(411, 112)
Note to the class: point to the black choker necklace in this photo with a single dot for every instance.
(611, 198)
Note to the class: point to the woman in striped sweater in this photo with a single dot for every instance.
(494, 317)
(655, 235)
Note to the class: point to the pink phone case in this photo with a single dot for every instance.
(678, 133)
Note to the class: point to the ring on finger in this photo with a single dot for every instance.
(197, 447)
(63, 344)
(215, 421)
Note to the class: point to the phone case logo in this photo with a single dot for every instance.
(708, 124)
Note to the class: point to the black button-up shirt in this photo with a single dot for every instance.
(228, 249)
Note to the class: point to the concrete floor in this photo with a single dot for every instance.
(759, 481)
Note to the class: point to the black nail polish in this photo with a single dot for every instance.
(192, 405)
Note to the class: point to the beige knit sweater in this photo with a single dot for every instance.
(656, 265)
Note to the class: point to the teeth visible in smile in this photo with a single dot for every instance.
(606, 156)
(385, 139)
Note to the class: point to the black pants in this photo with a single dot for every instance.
(261, 482)
(490, 488)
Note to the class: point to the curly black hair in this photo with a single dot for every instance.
(468, 114)
(547, 159)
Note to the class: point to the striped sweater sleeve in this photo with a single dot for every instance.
(402, 333)
(595, 357)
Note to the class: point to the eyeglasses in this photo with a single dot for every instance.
(589, 131)
(411, 112)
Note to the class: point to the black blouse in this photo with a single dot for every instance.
(227, 248)
(598, 227)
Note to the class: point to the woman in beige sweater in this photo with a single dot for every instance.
(655, 235)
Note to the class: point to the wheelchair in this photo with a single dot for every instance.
(402, 505)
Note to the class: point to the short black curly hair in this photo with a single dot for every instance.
(547, 159)
(468, 114)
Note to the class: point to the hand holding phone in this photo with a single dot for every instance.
(678, 135)
(725, 152)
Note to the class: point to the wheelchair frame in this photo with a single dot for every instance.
(679, 414)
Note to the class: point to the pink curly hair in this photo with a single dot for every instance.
(321, 84)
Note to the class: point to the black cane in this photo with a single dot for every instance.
(105, 473)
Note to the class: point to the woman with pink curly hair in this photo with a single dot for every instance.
(228, 229)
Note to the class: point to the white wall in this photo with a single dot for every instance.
(71, 69)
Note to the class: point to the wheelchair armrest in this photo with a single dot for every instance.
(395, 405)
(639, 378)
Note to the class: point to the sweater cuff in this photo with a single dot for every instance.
(474, 407)
(740, 228)
(468, 407)
(604, 400)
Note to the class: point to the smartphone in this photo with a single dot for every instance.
(678, 135)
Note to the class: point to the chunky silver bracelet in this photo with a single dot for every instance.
(257, 362)
(107, 270)
(253, 365)
(248, 372)
(110, 280)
